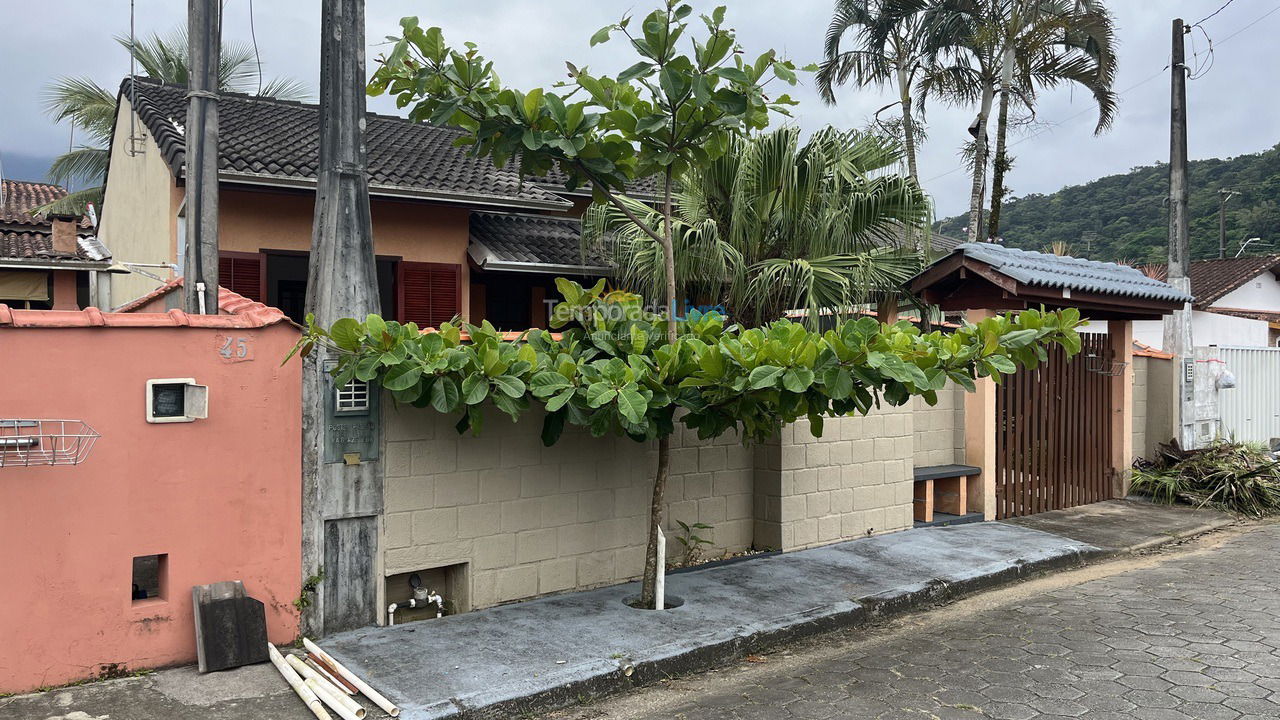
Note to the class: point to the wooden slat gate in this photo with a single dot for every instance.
(1053, 435)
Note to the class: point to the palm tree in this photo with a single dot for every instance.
(92, 109)
(889, 50)
(1010, 48)
(1050, 44)
(959, 37)
(774, 225)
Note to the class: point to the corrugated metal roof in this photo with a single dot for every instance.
(1072, 273)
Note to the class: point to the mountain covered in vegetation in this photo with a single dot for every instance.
(1126, 217)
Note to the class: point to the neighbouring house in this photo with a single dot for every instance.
(192, 478)
(1237, 302)
(453, 234)
(47, 261)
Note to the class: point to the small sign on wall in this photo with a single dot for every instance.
(234, 348)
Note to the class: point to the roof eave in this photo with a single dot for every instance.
(395, 191)
(44, 264)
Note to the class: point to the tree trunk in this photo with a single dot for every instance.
(1002, 159)
(1001, 165)
(909, 146)
(648, 586)
(979, 166)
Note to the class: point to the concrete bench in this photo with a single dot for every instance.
(942, 489)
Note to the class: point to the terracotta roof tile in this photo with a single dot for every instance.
(1213, 279)
(1141, 349)
(280, 139)
(237, 312)
(21, 197)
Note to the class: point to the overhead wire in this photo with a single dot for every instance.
(1206, 66)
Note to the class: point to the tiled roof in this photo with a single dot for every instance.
(1141, 349)
(1213, 279)
(1263, 315)
(1070, 273)
(279, 141)
(27, 236)
(237, 312)
(529, 239)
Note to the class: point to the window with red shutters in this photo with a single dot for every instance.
(244, 274)
(428, 293)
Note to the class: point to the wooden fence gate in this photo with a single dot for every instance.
(1053, 435)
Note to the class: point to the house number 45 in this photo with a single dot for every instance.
(235, 349)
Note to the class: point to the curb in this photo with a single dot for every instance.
(858, 612)
(1193, 532)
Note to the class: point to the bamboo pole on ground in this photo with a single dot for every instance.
(309, 673)
(388, 706)
(306, 694)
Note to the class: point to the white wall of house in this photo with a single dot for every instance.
(1207, 328)
(1260, 293)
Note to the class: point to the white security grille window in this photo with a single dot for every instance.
(353, 397)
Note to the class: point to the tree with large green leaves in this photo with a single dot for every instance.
(92, 110)
(681, 103)
(1011, 49)
(614, 370)
(776, 224)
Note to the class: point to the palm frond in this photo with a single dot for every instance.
(85, 103)
(79, 166)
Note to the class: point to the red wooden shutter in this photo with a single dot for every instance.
(428, 293)
(244, 274)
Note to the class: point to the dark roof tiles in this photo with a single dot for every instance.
(535, 239)
(280, 139)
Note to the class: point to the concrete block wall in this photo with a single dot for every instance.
(939, 429)
(532, 520)
(854, 481)
(1140, 384)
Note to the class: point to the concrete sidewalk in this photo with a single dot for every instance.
(532, 656)
(550, 652)
(1126, 525)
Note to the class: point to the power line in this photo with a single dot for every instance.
(1131, 87)
(256, 56)
(1215, 12)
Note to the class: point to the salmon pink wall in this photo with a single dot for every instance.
(221, 497)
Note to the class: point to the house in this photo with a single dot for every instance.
(453, 234)
(1237, 303)
(47, 261)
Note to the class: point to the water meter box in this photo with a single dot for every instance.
(351, 415)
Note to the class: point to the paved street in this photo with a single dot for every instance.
(1162, 637)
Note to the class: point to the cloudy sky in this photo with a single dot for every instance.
(1232, 107)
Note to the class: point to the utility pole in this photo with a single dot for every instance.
(200, 253)
(1177, 326)
(342, 478)
(1223, 197)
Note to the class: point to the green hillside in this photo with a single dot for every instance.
(1125, 217)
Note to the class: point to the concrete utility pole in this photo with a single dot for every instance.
(1223, 197)
(342, 480)
(1177, 326)
(200, 255)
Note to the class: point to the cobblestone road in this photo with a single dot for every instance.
(1182, 636)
